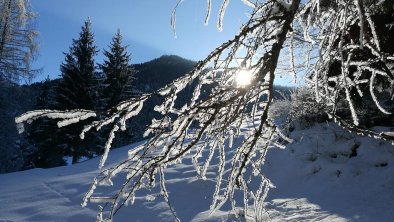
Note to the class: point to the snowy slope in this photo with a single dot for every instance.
(331, 175)
(325, 175)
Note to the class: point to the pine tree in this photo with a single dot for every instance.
(117, 84)
(118, 73)
(77, 90)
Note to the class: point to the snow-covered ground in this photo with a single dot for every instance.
(327, 174)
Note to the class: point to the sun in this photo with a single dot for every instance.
(243, 77)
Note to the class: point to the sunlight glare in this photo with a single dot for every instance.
(243, 77)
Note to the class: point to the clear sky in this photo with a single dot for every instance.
(145, 25)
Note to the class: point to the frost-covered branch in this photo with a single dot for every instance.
(209, 123)
(352, 64)
(345, 56)
(66, 117)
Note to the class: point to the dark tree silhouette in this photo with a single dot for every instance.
(77, 89)
(118, 73)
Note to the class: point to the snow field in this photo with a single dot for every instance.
(327, 174)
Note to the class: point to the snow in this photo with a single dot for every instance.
(67, 117)
(326, 174)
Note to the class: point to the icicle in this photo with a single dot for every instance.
(222, 163)
(208, 15)
(108, 146)
(249, 3)
(212, 148)
(231, 138)
(195, 158)
(245, 199)
(130, 114)
(352, 109)
(89, 193)
(164, 192)
(221, 14)
(173, 17)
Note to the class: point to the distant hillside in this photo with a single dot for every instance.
(161, 71)
(151, 76)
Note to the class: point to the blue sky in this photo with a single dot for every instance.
(145, 25)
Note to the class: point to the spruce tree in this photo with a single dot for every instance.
(118, 73)
(117, 82)
(78, 90)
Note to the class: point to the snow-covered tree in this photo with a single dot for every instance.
(118, 73)
(297, 109)
(18, 43)
(77, 89)
(346, 52)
